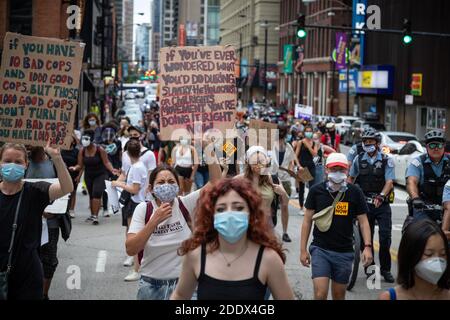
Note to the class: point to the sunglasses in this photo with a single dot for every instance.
(435, 145)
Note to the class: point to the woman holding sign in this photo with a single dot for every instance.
(158, 228)
(20, 266)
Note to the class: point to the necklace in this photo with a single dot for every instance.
(230, 262)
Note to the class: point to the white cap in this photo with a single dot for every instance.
(254, 149)
(336, 159)
(330, 125)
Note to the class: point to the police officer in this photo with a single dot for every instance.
(373, 171)
(426, 177)
(357, 148)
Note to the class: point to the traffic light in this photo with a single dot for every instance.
(407, 35)
(301, 30)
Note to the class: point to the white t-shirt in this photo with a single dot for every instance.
(138, 174)
(160, 260)
(148, 159)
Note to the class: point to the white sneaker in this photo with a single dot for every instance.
(133, 276)
(106, 213)
(129, 261)
(301, 212)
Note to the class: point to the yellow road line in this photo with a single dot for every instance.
(376, 244)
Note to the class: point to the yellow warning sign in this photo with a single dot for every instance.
(229, 149)
(341, 209)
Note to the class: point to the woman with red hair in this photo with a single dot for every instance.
(233, 253)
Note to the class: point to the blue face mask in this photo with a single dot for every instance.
(231, 225)
(12, 172)
(111, 149)
(289, 137)
(369, 148)
(309, 135)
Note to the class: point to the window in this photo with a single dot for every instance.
(436, 118)
(339, 120)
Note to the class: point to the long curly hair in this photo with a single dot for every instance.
(258, 231)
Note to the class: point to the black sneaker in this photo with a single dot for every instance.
(388, 277)
(286, 238)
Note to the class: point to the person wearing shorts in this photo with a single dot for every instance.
(331, 252)
(94, 161)
(186, 163)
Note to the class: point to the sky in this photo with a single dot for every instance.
(144, 7)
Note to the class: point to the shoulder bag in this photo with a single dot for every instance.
(324, 217)
(4, 275)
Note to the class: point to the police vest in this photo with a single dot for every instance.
(432, 188)
(359, 148)
(371, 176)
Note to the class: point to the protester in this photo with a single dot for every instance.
(331, 252)
(70, 158)
(136, 185)
(123, 131)
(306, 150)
(158, 228)
(25, 280)
(92, 122)
(147, 156)
(322, 153)
(185, 162)
(154, 139)
(232, 255)
(93, 160)
(331, 138)
(423, 264)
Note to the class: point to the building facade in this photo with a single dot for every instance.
(169, 29)
(128, 28)
(212, 23)
(143, 38)
(243, 25)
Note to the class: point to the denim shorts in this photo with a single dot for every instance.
(156, 289)
(336, 266)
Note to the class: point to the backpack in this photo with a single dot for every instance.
(149, 212)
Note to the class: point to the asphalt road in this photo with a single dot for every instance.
(90, 263)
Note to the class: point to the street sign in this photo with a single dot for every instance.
(409, 99)
(416, 84)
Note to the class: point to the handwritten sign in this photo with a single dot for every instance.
(39, 80)
(263, 133)
(198, 88)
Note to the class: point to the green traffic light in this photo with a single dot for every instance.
(301, 33)
(407, 39)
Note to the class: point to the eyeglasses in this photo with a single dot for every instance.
(435, 145)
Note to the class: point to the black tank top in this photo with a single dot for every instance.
(305, 157)
(215, 289)
(93, 166)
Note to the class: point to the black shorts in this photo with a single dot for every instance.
(95, 185)
(184, 172)
(48, 253)
(127, 212)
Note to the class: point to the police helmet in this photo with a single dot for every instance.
(371, 133)
(434, 135)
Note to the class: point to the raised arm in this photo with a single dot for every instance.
(65, 184)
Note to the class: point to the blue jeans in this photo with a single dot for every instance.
(155, 289)
(201, 178)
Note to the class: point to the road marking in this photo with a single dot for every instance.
(400, 194)
(101, 261)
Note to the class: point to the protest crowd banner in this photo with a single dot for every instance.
(39, 81)
(197, 90)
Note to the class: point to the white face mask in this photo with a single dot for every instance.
(337, 177)
(86, 142)
(184, 142)
(431, 270)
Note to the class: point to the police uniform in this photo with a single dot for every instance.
(446, 195)
(371, 174)
(354, 151)
(432, 179)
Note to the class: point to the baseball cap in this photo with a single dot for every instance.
(337, 160)
(330, 125)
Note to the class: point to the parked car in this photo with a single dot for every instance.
(353, 135)
(343, 123)
(130, 96)
(403, 158)
(393, 141)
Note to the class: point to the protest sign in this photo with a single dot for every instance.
(263, 133)
(39, 80)
(198, 88)
(302, 111)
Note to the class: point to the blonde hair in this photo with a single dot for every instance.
(15, 146)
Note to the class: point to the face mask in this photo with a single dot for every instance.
(166, 192)
(92, 123)
(431, 270)
(309, 135)
(111, 149)
(86, 142)
(337, 177)
(335, 187)
(231, 225)
(289, 137)
(369, 148)
(12, 172)
(184, 142)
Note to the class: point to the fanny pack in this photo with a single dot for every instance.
(4, 275)
(324, 217)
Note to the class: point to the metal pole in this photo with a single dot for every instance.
(103, 60)
(265, 61)
(348, 83)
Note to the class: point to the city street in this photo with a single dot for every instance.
(99, 252)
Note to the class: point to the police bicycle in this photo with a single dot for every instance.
(428, 209)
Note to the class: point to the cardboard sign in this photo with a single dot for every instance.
(198, 88)
(39, 82)
(263, 134)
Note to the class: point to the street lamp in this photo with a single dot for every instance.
(265, 25)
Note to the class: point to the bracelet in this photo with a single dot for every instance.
(368, 245)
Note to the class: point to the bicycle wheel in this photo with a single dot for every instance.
(354, 275)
